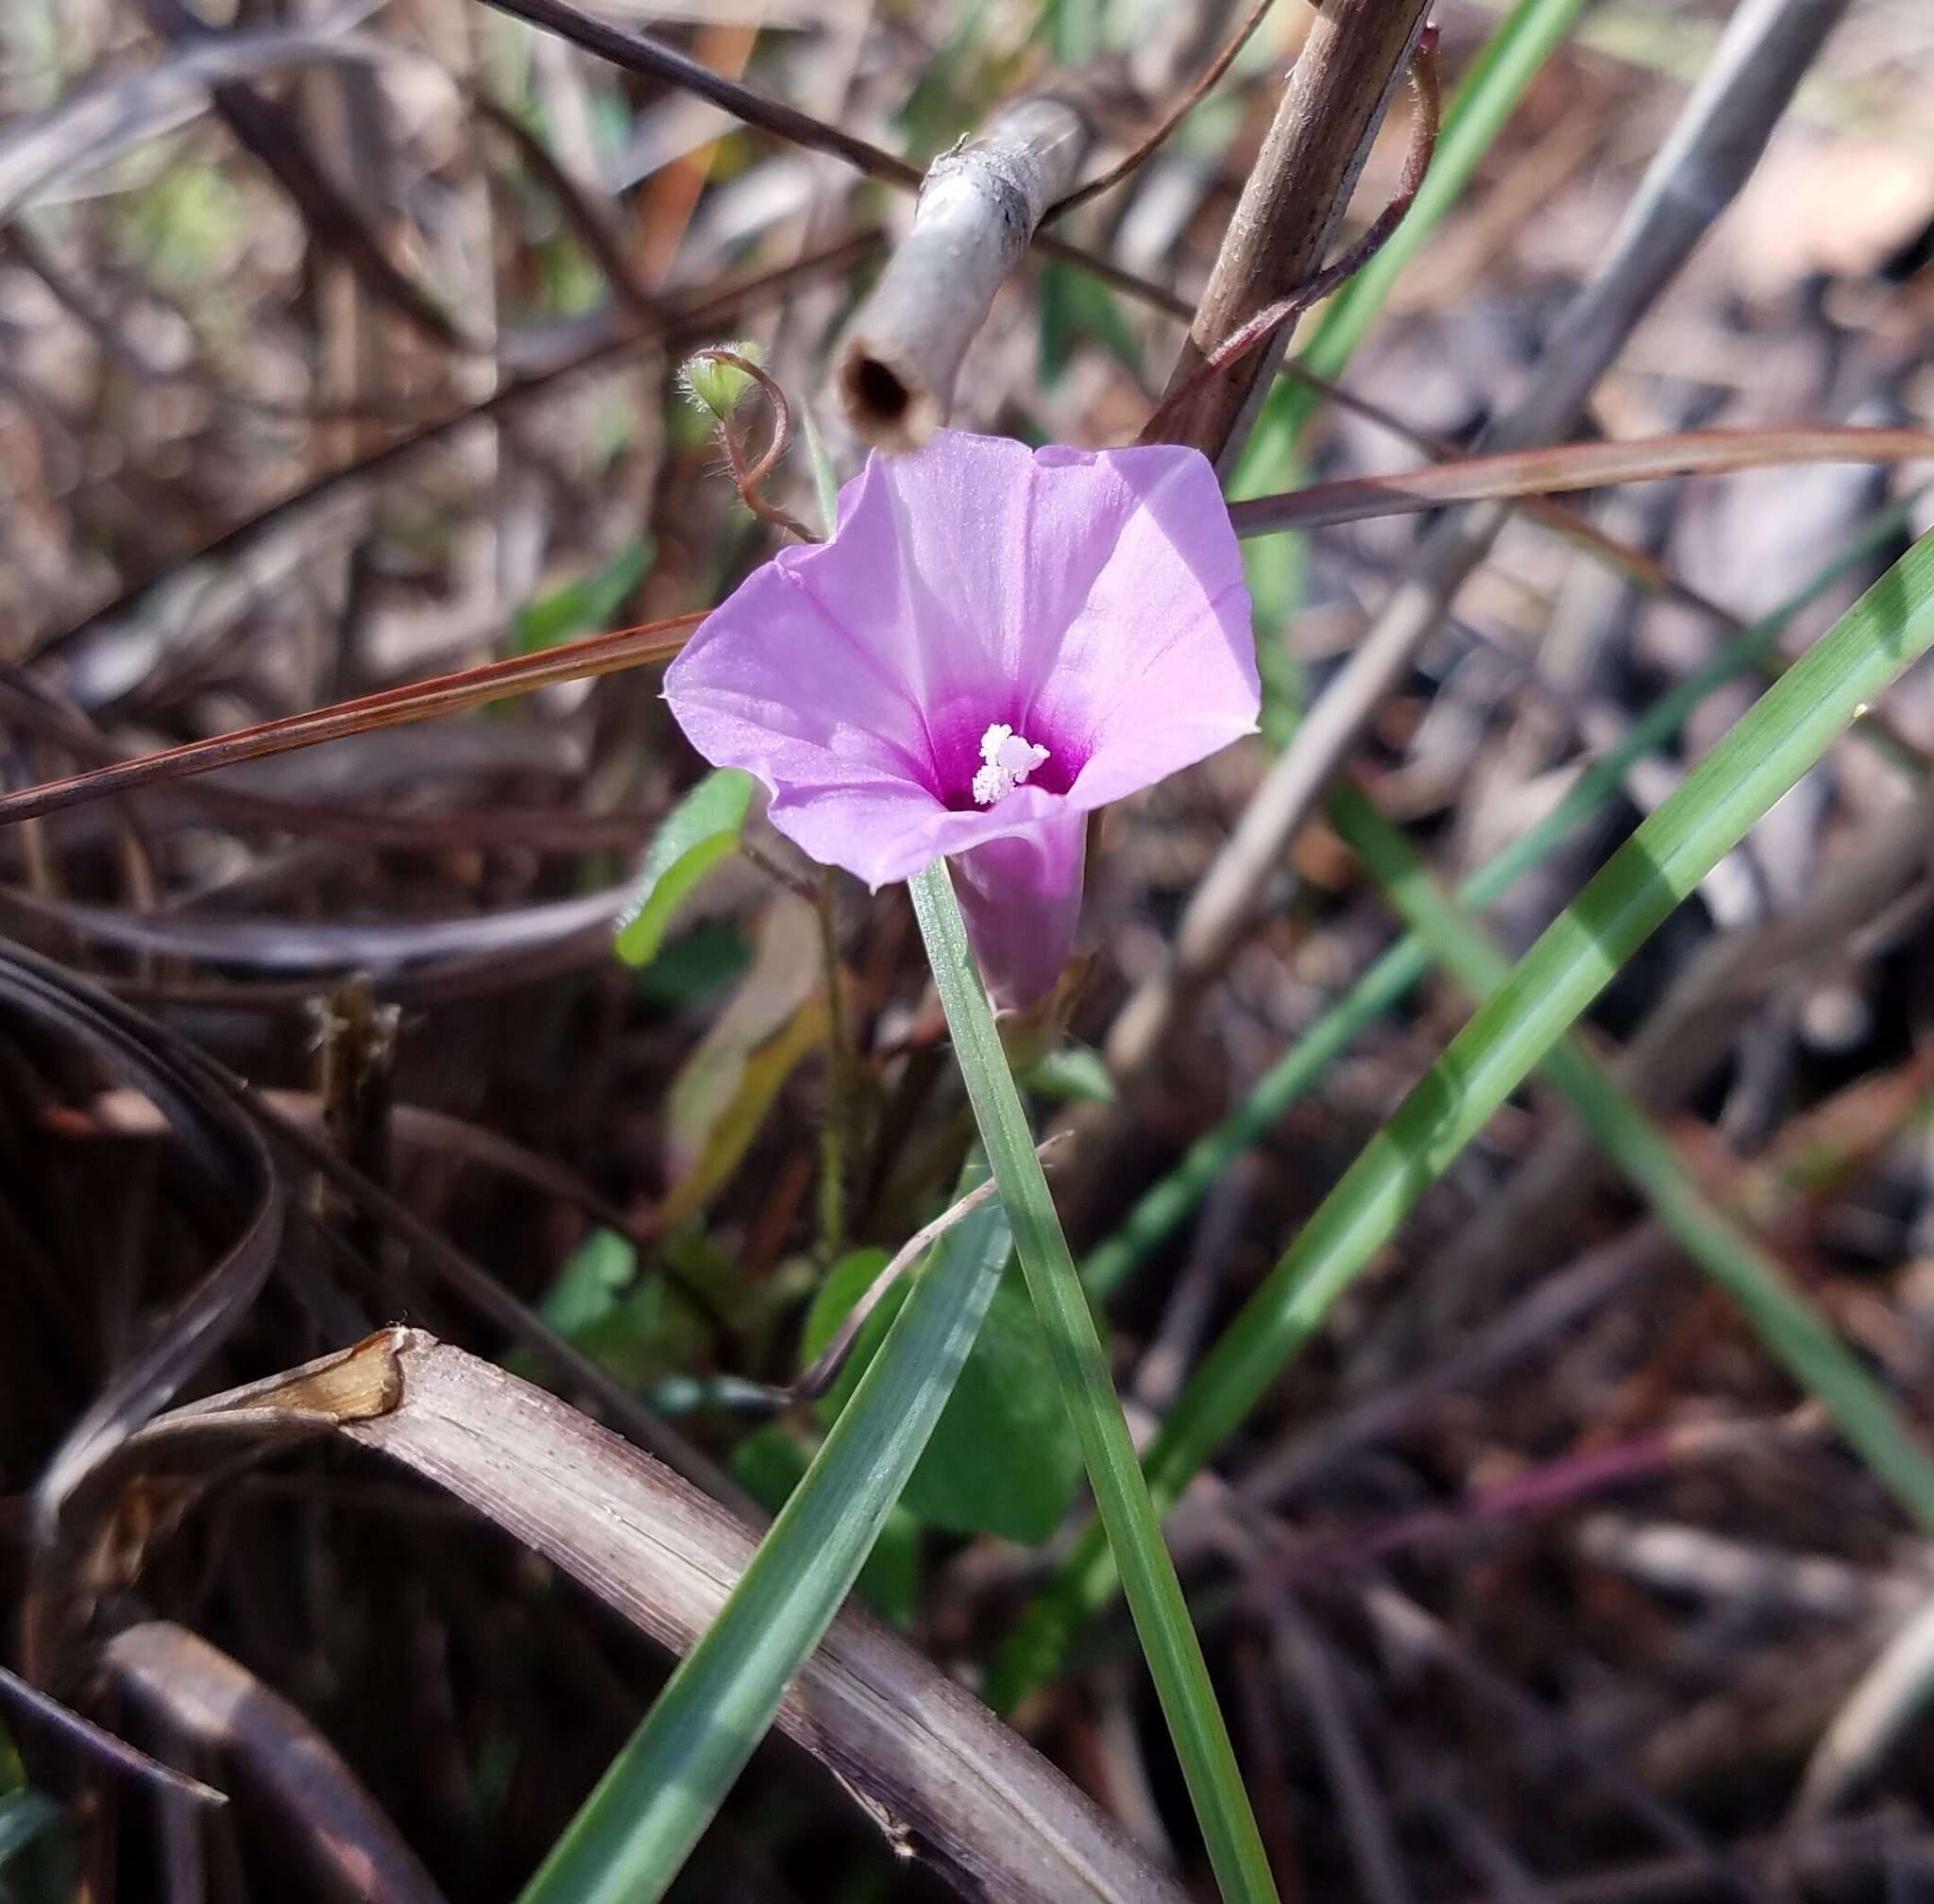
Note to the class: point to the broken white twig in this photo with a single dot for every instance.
(978, 211)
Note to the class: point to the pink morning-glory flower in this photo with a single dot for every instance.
(995, 642)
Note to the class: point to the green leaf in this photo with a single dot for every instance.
(1074, 29)
(1786, 1323)
(620, 1317)
(825, 479)
(1133, 1531)
(1166, 1204)
(584, 606)
(699, 832)
(695, 963)
(1002, 1458)
(35, 1853)
(772, 1462)
(1277, 571)
(1075, 1074)
(1076, 308)
(846, 1282)
(638, 1828)
(597, 1273)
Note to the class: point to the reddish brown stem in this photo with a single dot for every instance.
(392, 707)
(1351, 68)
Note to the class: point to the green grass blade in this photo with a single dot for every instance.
(1484, 99)
(1791, 1329)
(636, 1830)
(1784, 733)
(1127, 1513)
(1166, 1205)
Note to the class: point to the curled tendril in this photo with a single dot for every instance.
(749, 477)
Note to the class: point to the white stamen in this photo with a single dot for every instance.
(1010, 757)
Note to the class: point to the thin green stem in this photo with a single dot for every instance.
(834, 1130)
(1126, 1514)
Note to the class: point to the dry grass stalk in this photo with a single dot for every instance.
(1351, 68)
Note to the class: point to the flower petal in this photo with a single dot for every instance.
(1091, 600)
(1022, 897)
(1160, 661)
(772, 685)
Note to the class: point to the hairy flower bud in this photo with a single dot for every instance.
(714, 384)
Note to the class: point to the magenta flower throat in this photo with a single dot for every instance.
(995, 642)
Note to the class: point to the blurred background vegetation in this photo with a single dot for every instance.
(351, 368)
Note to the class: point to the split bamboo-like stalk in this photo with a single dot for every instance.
(978, 211)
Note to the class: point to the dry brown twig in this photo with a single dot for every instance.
(199, 1693)
(1292, 203)
(98, 124)
(823, 1371)
(1183, 401)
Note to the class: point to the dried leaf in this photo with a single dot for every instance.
(329, 1822)
(776, 1018)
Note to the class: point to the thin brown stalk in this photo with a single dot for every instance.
(639, 53)
(334, 220)
(823, 1371)
(1516, 474)
(99, 1744)
(1180, 402)
(600, 343)
(1304, 1664)
(1294, 198)
(1766, 48)
(95, 126)
(589, 221)
(393, 707)
(329, 1822)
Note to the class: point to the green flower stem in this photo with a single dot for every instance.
(1128, 1516)
(1785, 732)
